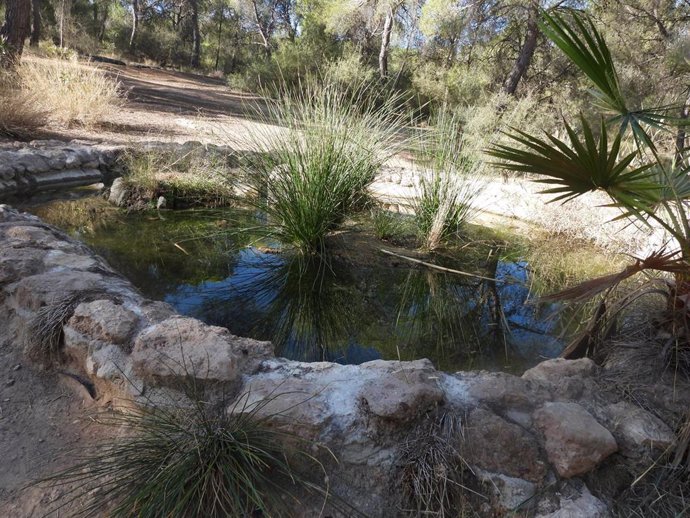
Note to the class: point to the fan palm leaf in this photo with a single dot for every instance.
(585, 164)
(586, 48)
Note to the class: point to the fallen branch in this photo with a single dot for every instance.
(437, 267)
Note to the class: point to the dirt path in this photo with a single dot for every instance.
(170, 106)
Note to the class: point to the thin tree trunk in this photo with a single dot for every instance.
(196, 34)
(15, 30)
(220, 35)
(385, 44)
(135, 25)
(526, 52)
(36, 23)
(262, 32)
(105, 11)
(681, 134)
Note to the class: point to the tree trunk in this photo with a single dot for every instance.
(196, 34)
(36, 23)
(385, 44)
(15, 30)
(105, 11)
(526, 52)
(135, 25)
(220, 35)
(262, 32)
(681, 134)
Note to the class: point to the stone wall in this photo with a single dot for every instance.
(539, 442)
(47, 165)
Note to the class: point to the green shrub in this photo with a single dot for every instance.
(194, 178)
(314, 167)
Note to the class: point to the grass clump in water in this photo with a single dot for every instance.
(202, 460)
(314, 169)
(449, 183)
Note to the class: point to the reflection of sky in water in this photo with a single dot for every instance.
(269, 298)
(531, 326)
(348, 314)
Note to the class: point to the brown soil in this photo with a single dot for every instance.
(43, 418)
(166, 105)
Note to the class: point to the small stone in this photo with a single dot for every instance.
(16, 367)
(575, 442)
(9, 382)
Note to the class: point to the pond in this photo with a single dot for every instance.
(354, 305)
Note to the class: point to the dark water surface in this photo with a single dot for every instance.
(330, 309)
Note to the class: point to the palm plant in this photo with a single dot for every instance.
(643, 182)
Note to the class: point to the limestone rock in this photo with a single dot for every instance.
(585, 505)
(637, 431)
(496, 445)
(575, 442)
(118, 193)
(401, 395)
(105, 321)
(180, 346)
(554, 371)
(508, 492)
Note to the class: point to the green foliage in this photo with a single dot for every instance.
(449, 182)
(640, 182)
(315, 168)
(186, 461)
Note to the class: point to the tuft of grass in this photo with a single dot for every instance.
(20, 116)
(43, 335)
(189, 461)
(449, 183)
(69, 92)
(195, 178)
(386, 224)
(314, 169)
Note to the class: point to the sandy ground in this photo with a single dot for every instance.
(44, 419)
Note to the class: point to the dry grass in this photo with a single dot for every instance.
(434, 477)
(71, 93)
(20, 115)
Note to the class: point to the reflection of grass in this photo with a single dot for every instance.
(437, 313)
(309, 310)
(84, 215)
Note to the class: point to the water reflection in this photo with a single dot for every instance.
(334, 308)
(316, 309)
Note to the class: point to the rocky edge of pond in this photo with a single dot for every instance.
(544, 442)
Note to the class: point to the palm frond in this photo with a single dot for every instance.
(585, 46)
(582, 166)
(659, 260)
(574, 33)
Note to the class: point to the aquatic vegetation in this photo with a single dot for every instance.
(312, 170)
(449, 182)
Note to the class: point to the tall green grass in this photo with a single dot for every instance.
(313, 169)
(449, 182)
